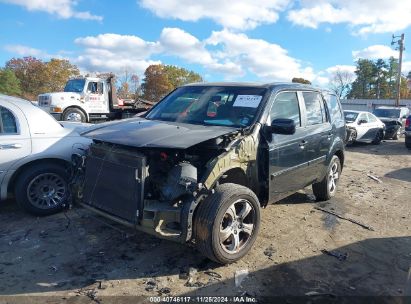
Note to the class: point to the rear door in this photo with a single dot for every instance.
(365, 129)
(319, 134)
(286, 152)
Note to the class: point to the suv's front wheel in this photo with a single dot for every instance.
(226, 223)
(327, 188)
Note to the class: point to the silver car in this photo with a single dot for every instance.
(35, 154)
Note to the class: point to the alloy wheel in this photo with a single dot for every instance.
(237, 226)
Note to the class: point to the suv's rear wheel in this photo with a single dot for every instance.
(226, 223)
(327, 188)
(42, 189)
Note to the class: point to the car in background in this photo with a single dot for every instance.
(394, 120)
(408, 132)
(35, 155)
(364, 127)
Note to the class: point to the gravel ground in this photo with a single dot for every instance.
(76, 256)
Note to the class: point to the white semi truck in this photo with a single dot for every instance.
(87, 99)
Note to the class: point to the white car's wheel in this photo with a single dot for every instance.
(42, 189)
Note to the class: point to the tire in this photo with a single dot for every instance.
(214, 221)
(324, 190)
(42, 189)
(408, 142)
(352, 138)
(397, 135)
(74, 114)
(378, 138)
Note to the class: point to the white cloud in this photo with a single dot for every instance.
(268, 61)
(406, 67)
(375, 52)
(366, 16)
(225, 53)
(61, 8)
(343, 68)
(114, 53)
(233, 14)
(23, 50)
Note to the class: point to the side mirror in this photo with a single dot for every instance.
(282, 126)
(404, 117)
(362, 121)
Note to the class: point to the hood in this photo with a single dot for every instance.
(76, 126)
(61, 94)
(139, 132)
(48, 99)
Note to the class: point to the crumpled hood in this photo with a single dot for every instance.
(140, 132)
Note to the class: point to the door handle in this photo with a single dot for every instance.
(302, 144)
(10, 146)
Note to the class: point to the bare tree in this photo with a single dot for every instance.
(340, 82)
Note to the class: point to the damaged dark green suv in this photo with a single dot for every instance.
(200, 165)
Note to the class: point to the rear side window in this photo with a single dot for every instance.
(315, 108)
(371, 118)
(286, 106)
(334, 107)
(8, 123)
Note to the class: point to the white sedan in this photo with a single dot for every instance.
(35, 155)
(364, 127)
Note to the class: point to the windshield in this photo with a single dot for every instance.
(210, 105)
(350, 116)
(391, 113)
(75, 85)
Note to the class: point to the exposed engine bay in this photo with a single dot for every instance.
(156, 189)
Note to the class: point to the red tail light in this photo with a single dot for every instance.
(408, 122)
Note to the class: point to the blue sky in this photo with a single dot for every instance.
(246, 40)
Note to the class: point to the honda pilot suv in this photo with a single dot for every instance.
(203, 162)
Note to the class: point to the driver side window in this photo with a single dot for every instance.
(286, 106)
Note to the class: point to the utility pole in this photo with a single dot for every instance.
(401, 49)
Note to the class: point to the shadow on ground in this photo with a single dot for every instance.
(387, 147)
(373, 267)
(403, 174)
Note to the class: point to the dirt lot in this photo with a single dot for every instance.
(83, 256)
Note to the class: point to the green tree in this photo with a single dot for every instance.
(180, 76)
(300, 80)
(31, 73)
(160, 79)
(9, 83)
(57, 72)
(380, 72)
(392, 75)
(363, 85)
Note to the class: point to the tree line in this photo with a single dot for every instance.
(28, 77)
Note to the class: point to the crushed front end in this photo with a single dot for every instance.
(154, 190)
